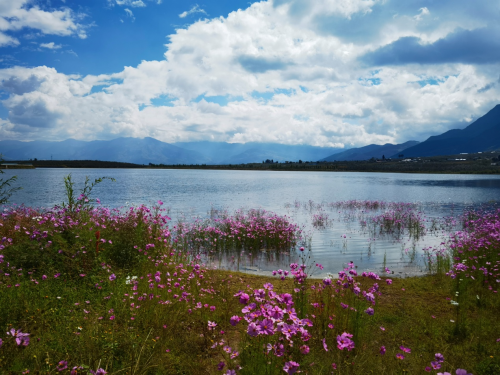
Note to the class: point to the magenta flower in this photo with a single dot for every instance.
(462, 372)
(344, 341)
(388, 281)
(253, 329)
(234, 320)
(439, 357)
(21, 338)
(230, 372)
(291, 367)
(334, 366)
(400, 356)
(406, 350)
(220, 366)
(324, 345)
(62, 365)
(112, 277)
(211, 325)
(244, 298)
(266, 327)
(435, 365)
(370, 311)
(382, 350)
(99, 371)
(1, 342)
(304, 349)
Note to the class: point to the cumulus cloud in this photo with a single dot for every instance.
(194, 9)
(479, 46)
(132, 3)
(272, 73)
(50, 45)
(19, 14)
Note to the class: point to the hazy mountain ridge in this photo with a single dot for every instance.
(482, 135)
(238, 153)
(370, 151)
(149, 150)
(130, 150)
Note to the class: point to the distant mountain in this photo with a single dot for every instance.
(242, 153)
(370, 151)
(130, 150)
(482, 135)
(150, 150)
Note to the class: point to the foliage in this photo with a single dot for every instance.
(110, 289)
(84, 201)
(6, 189)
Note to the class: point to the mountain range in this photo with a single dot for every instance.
(149, 150)
(482, 135)
(370, 151)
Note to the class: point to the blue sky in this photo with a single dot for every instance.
(338, 73)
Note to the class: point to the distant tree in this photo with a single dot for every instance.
(300, 161)
(383, 157)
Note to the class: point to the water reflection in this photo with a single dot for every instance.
(335, 236)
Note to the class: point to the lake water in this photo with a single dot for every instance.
(299, 195)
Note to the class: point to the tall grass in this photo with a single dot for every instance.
(122, 291)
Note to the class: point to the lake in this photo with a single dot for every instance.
(344, 237)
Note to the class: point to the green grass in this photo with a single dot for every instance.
(69, 317)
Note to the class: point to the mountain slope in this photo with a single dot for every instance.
(150, 150)
(370, 151)
(238, 153)
(482, 135)
(131, 150)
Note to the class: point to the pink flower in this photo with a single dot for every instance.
(382, 350)
(234, 320)
(324, 345)
(291, 367)
(304, 349)
(400, 356)
(344, 341)
(435, 365)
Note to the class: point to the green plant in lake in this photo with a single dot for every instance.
(84, 201)
(6, 189)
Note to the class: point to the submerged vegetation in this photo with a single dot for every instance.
(88, 289)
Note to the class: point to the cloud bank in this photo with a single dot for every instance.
(324, 73)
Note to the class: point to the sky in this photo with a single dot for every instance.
(330, 73)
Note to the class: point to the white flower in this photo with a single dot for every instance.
(130, 280)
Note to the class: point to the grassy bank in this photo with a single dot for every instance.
(93, 290)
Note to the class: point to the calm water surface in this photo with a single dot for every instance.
(193, 193)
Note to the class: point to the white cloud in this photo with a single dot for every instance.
(423, 12)
(19, 14)
(284, 80)
(194, 9)
(131, 3)
(6, 40)
(50, 45)
(130, 13)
